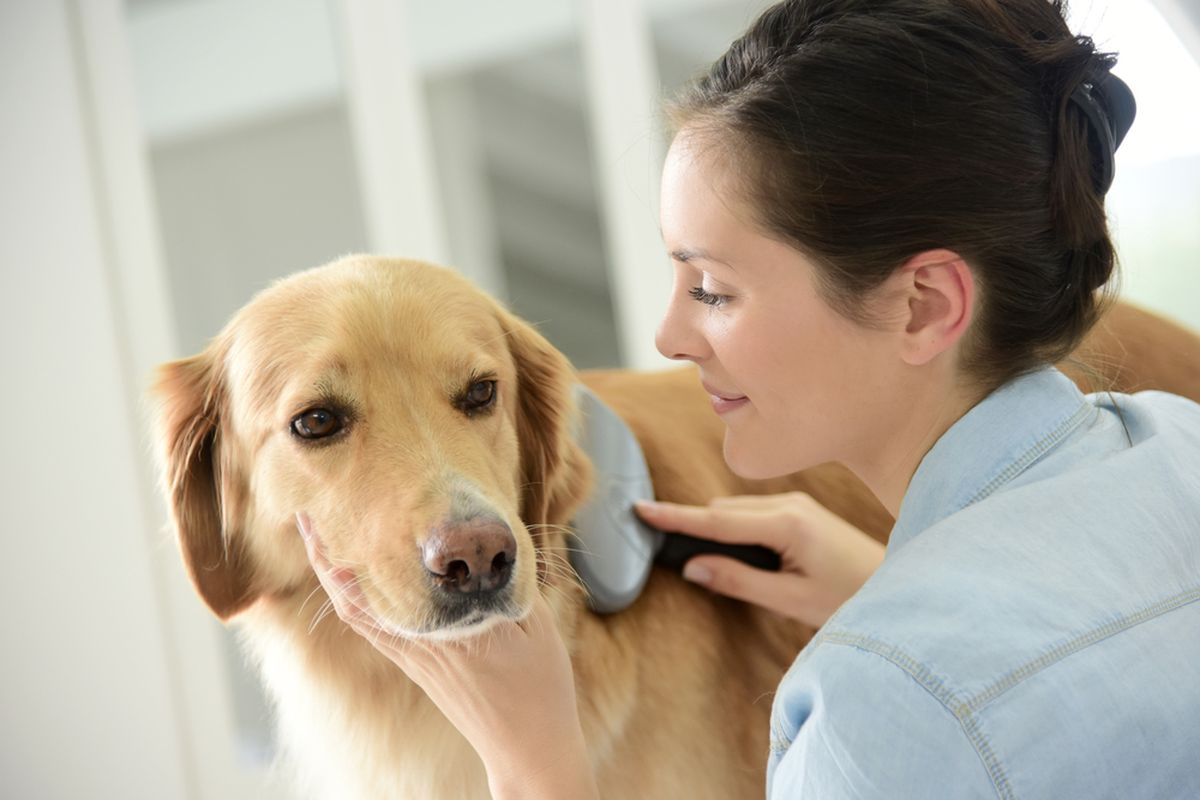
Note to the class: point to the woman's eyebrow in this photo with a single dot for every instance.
(685, 255)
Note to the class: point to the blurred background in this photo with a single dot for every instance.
(163, 160)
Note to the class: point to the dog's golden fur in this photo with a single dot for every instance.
(674, 693)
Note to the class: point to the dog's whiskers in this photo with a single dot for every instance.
(552, 559)
(571, 535)
(322, 612)
(330, 605)
(310, 596)
(565, 549)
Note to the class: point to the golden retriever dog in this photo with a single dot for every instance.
(414, 418)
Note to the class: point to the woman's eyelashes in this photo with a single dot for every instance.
(709, 299)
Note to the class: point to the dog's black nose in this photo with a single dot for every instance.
(472, 557)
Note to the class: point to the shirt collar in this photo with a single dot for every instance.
(991, 444)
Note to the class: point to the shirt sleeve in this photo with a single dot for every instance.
(867, 729)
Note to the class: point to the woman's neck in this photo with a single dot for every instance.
(923, 415)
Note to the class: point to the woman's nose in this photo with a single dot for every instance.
(677, 336)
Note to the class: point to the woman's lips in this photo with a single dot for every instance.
(721, 405)
(722, 402)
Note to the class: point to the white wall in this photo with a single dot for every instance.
(113, 683)
(86, 699)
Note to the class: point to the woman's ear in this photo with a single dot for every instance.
(939, 290)
(203, 493)
(554, 471)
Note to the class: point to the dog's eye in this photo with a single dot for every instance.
(481, 395)
(316, 423)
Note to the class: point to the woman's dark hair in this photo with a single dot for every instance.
(866, 131)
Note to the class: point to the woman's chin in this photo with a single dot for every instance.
(750, 463)
(762, 461)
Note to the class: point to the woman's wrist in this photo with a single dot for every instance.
(561, 773)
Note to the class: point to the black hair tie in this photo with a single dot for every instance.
(1110, 108)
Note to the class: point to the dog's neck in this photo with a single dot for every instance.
(332, 691)
(320, 673)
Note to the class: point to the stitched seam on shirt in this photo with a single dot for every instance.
(779, 740)
(1010, 680)
(1032, 454)
(932, 684)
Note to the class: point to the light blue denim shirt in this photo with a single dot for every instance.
(1033, 631)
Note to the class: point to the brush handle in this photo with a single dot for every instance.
(677, 548)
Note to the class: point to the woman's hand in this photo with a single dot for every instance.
(824, 559)
(509, 691)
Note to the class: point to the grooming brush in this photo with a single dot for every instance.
(614, 548)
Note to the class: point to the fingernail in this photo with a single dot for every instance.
(304, 525)
(697, 573)
(647, 505)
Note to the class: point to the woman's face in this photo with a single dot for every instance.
(815, 384)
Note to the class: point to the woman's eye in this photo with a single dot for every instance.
(698, 293)
(481, 395)
(316, 423)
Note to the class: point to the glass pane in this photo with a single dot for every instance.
(691, 34)
(250, 147)
(506, 90)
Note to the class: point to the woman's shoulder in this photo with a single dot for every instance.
(1172, 418)
(1097, 536)
(1039, 699)
(1046, 594)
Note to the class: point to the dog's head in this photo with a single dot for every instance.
(422, 429)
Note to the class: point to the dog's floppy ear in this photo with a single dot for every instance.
(554, 471)
(203, 493)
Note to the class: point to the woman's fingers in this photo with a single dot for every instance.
(825, 559)
(723, 523)
(785, 593)
(339, 583)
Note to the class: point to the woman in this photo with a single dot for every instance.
(886, 219)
